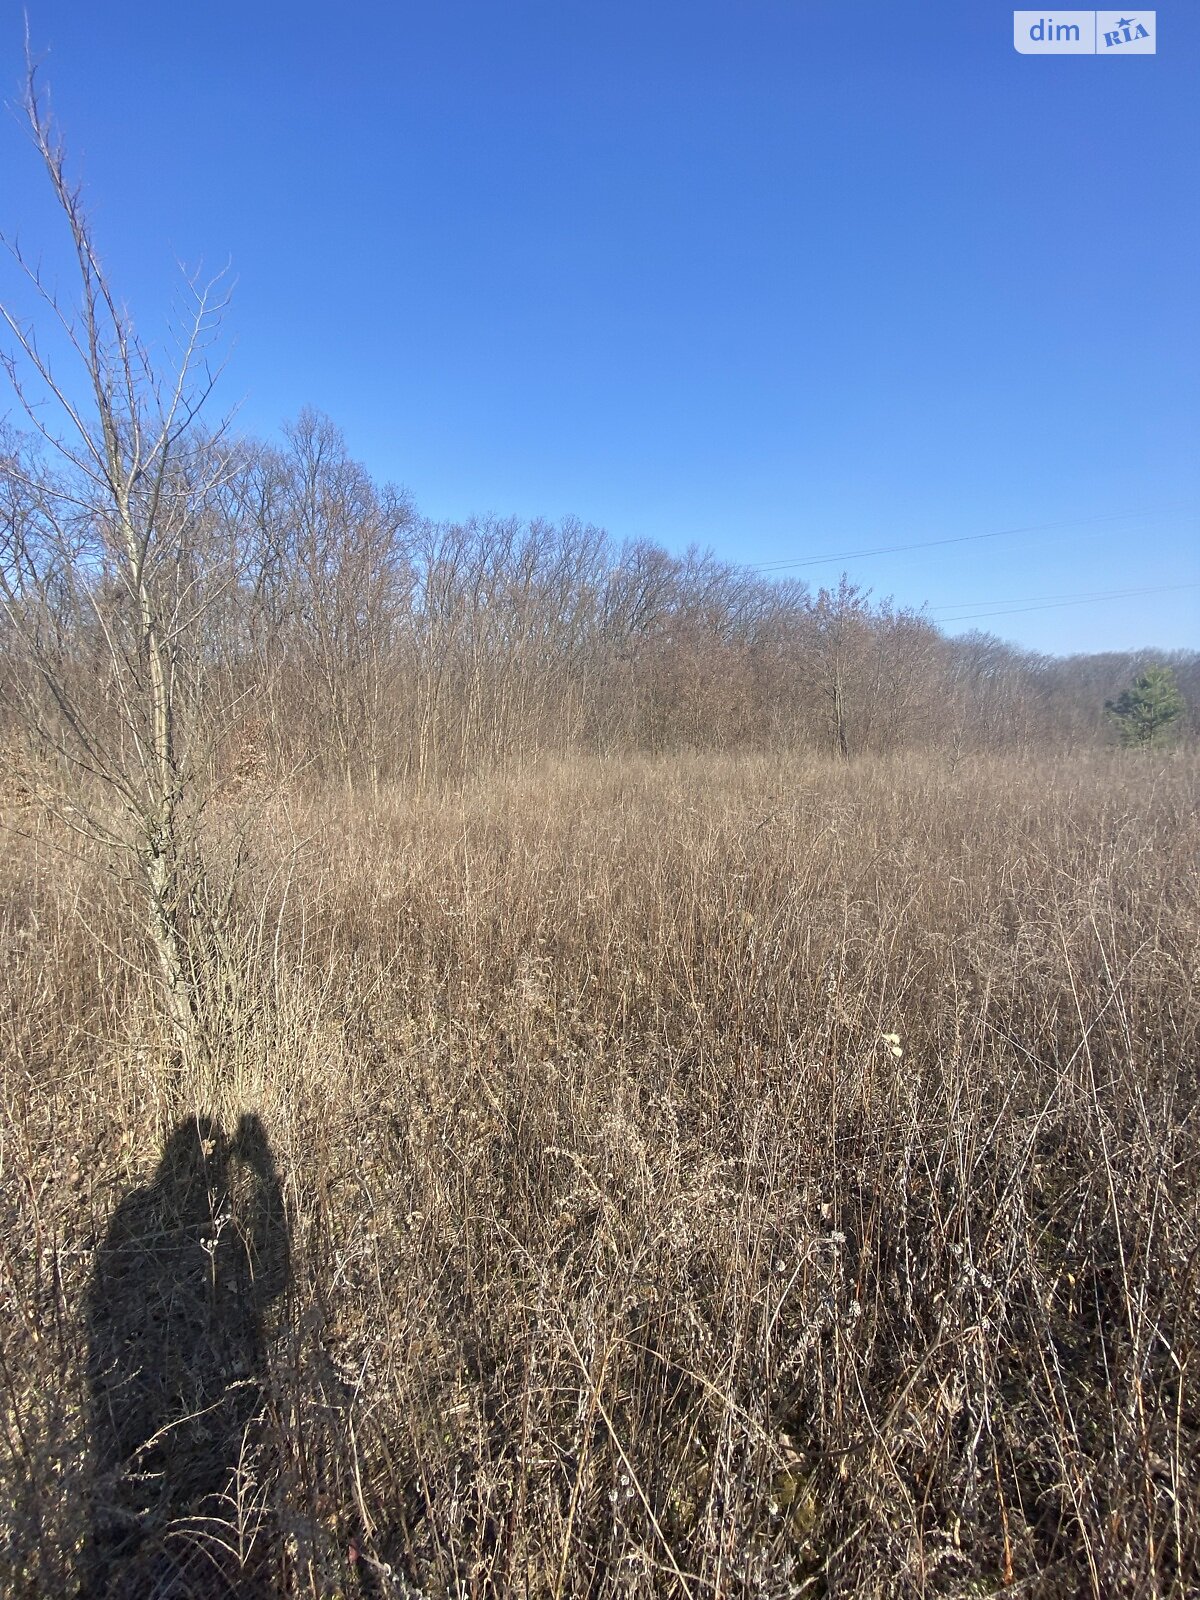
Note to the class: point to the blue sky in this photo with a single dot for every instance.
(785, 278)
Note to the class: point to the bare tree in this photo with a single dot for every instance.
(840, 621)
(346, 569)
(103, 583)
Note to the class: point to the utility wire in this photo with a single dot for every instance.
(1046, 599)
(962, 538)
(1074, 600)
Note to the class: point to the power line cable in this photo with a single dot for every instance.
(962, 538)
(1077, 600)
(1047, 599)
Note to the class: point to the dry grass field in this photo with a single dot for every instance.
(713, 1176)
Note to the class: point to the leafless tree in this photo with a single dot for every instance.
(338, 556)
(103, 582)
(839, 629)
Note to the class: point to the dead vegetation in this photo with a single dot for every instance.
(714, 1175)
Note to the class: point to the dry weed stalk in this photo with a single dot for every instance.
(710, 1176)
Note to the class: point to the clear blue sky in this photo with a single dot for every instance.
(780, 277)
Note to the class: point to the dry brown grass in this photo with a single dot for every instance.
(629, 1255)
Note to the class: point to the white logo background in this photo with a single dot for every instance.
(1085, 33)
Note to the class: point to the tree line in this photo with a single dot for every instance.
(318, 625)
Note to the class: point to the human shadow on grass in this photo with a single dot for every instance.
(176, 1366)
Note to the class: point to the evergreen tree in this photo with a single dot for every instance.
(1146, 710)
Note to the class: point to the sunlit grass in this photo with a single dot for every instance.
(709, 1176)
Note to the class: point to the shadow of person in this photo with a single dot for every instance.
(176, 1360)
